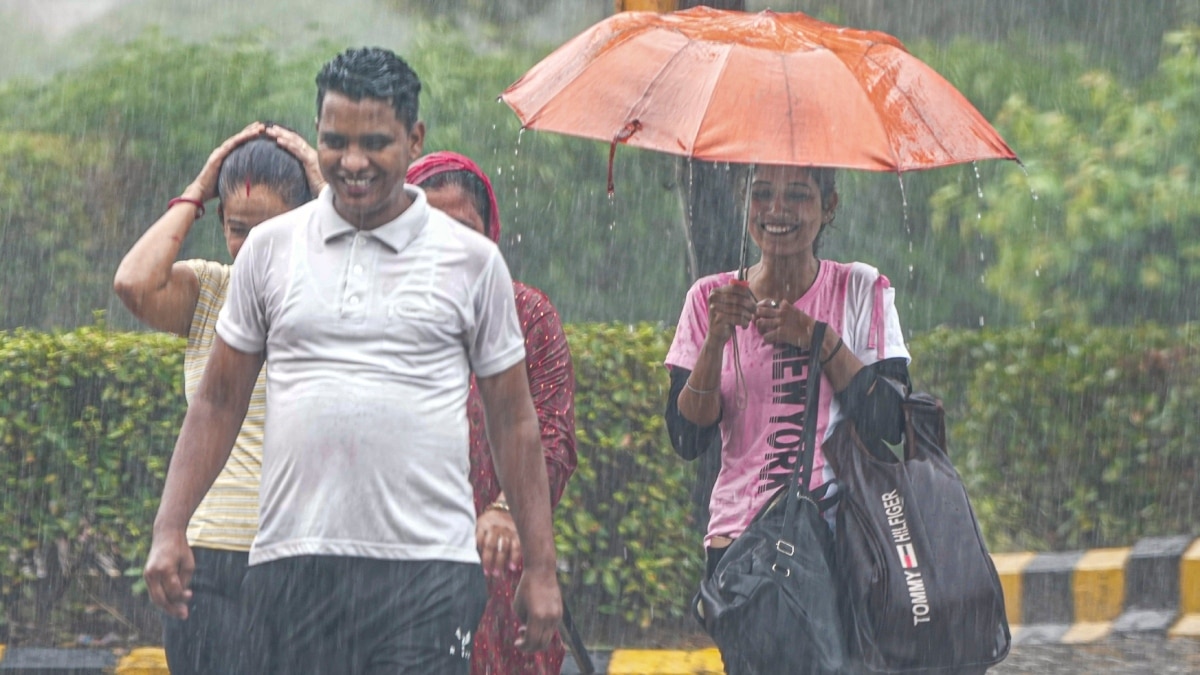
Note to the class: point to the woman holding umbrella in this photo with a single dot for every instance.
(736, 359)
(456, 185)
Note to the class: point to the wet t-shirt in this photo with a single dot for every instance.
(370, 340)
(763, 411)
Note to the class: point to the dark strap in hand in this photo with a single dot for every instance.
(797, 487)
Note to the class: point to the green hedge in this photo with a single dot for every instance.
(87, 421)
(1068, 437)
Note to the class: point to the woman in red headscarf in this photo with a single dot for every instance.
(456, 185)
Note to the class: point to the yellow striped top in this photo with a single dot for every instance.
(227, 518)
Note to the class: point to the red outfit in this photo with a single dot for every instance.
(552, 385)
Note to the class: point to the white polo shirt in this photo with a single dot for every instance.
(370, 338)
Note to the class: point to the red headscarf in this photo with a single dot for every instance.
(440, 162)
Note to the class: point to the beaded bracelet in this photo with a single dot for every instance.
(188, 200)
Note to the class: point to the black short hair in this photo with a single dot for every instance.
(472, 185)
(372, 72)
(261, 161)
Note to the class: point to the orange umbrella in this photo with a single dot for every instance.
(764, 88)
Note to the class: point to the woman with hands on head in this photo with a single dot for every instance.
(258, 173)
(456, 185)
(738, 362)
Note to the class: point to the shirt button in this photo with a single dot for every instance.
(358, 269)
(354, 299)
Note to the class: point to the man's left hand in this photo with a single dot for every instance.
(538, 604)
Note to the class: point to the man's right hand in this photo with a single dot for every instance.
(168, 573)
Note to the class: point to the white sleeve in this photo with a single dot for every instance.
(242, 323)
(495, 343)
(872, 323)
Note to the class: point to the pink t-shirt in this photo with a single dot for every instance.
(762, 422)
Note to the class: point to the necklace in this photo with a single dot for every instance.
(755, 275)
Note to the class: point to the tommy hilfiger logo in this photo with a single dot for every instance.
(893, 508)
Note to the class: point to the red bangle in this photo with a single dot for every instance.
(188, 200)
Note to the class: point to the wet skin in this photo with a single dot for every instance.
(364, 152)
(242, 211)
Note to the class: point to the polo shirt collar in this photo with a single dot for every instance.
(395, 234)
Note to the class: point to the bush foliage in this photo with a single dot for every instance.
(1068, 437)
(1096, 228)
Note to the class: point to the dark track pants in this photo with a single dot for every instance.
(339, 615)
(210, 641)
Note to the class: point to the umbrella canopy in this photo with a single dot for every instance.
(764, 88)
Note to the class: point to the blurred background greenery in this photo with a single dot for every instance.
(107, 113)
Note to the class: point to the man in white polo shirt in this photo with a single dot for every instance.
(371, 311)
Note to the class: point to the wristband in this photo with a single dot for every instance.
(700, 392)
(188, 200)
(829, 358)
(499, 505)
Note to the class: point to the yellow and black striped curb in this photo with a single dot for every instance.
(1086, 596)
(1067, 598)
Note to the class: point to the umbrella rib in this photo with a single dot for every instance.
(726, 55)
(638, 104)
(787, 85)
(916, 109)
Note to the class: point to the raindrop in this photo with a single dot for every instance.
(518, 237)
(981, 321)
(1033, 194)
(978, 180)
(904, 203)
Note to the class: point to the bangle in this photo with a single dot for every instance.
(188, 200)
(829, 358)
(499, 505)
(701, 392)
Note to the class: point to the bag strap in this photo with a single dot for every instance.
(797, 487)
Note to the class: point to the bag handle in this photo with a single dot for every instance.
(797, 487)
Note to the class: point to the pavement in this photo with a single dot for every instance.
(1122, 611)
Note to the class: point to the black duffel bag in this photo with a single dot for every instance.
(920, 591)
(771, 604)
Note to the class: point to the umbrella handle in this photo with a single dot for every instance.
(744, 253)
